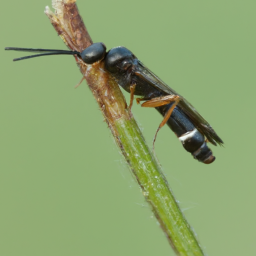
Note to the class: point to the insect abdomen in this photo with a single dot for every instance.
(192, 140)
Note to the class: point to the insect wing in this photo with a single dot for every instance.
(201, 124)
(152, 79)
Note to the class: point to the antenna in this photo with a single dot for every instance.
(43, 52)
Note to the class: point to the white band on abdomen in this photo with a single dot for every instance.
(187, 135)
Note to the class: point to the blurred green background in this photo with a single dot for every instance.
(64, 187)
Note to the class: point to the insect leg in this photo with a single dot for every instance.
(148, 98)
(161, 101)
(132, 93)
(80, 82)
(138, 100)
(132, 90)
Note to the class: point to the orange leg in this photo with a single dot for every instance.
(132, 90)
(161, 101)
(80, 82)
(138, 100)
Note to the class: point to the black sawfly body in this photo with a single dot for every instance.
(189, 126)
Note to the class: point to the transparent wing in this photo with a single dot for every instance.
(201, 124)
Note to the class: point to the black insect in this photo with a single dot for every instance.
(189, 126)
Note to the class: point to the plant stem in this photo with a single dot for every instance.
(69, 25)
(156, 190)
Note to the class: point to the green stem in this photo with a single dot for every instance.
(156, 190)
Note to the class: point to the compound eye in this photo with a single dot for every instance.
(93, 53)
